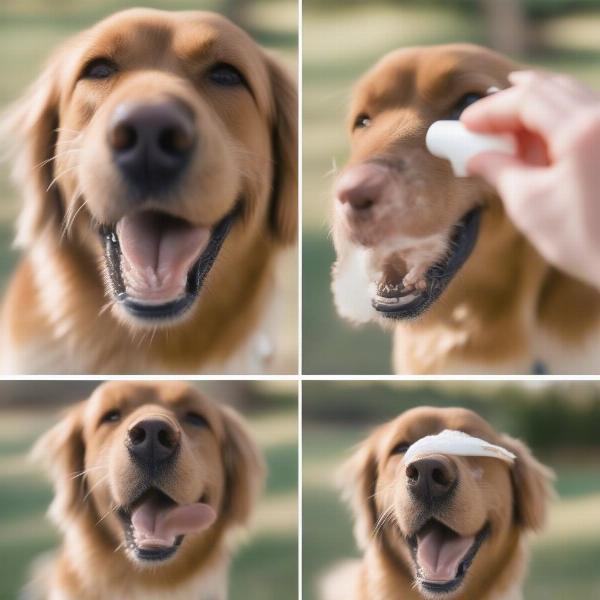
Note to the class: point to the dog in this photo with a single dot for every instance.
(442, 526)
(151, 481)
(157, 158)
(434, 257)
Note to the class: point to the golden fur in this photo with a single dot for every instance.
(58, 314)
(94, 473)
(506, 309)
(511, 500)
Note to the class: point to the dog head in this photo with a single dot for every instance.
(154, 472)
(403, 223)
(149, 142)
(449, 523)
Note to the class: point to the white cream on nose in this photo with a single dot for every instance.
(456, 443)
(452, 141)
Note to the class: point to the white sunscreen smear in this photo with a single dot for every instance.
(452, 141)
(456, 443)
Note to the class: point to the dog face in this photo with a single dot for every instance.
(156, 471)
(452, 521)
(153, 139)
(403, 224)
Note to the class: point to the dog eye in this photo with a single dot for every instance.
(226, 75)
(100, 68)
(400, 448)
(112, 416)
(465, 101)
(363, 120)
(193, 418)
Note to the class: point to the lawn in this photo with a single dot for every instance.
(266, 568)
(564, 558)
(339, 45)
(31, 29)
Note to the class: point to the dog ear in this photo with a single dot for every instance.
(62, 452)
(244, 469)
(283, 214)
(357, 480)
(532, 483)
(28, 129)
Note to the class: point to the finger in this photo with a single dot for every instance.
(513, 110)
(493, 166)
(521, 187)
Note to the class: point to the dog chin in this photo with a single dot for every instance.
(352, 287)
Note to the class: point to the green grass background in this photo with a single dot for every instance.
(341, 41)
(336, 416)
(265, 568)
(31, 29)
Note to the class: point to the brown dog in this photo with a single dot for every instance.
(150, 481)
(157, 156)
(443, 526)
(435, 256)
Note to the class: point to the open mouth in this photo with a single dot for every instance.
(157, 263)
(442, 556)
(394, 301)
(155, 524)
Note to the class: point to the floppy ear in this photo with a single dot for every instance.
(284, 196)
(62, 451)
(244, 469)
(532, 483)
(28, 128)
(357, 480)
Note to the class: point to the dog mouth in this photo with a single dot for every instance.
(442, 556)
(393, 300)
(157, 263)
(155, 525)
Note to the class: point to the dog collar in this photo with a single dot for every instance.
(456, 443)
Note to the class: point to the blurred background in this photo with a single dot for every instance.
(31, 29)
(559, 421)
(266, 566)
(341, 40)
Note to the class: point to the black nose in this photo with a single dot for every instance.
(152, 440)
(431, 479)
(151, 143)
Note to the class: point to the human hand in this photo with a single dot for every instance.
(551, 189)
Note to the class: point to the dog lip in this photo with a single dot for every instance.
(195, 278)
(463, 567)
(396, 302)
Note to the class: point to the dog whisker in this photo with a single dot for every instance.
(86, 471)
(61, 174)
(98, 483)
(57, 155)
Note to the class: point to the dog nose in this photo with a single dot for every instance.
(360, 187)
(153, 440)
(151, 143)
(431, 478)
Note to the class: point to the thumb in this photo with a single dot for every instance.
(517, 183)
(496, 168)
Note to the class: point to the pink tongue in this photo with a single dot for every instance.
(440, 553)
(158, 251)
(159, 526)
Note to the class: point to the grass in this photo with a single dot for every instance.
(265, 568)
(339, 45)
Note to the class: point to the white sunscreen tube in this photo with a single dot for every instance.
(452, 141)
(458, 444)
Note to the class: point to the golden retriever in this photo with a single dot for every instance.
(443, 526)
(157, 159)
(434, 256)
(150, 479)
